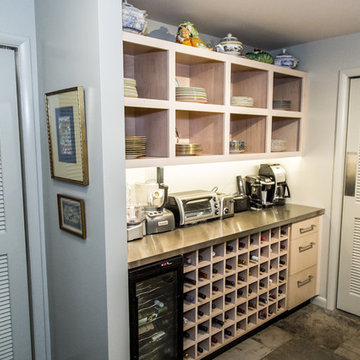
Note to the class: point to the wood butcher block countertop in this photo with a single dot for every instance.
(192, 237)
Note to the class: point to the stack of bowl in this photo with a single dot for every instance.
(282, 104)
(192, 94)
(135, 146)
(130, 88)
(242, 101)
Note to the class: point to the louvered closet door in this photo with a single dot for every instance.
(349, 271)
(14, 303)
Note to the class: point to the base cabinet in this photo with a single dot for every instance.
(303, 263)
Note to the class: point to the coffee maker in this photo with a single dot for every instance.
(260, 190)
(278, 175)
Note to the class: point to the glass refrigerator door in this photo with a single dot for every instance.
(157, 316)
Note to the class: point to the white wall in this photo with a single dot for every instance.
(17, 29)
(79, 43)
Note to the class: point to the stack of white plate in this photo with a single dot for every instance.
(188, 149)
(130, 87)
(282, 104)
(135, 146)
(242, 100)
(193, 94)
(278, 145)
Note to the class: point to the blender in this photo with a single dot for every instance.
(153, 196)
(135, 217)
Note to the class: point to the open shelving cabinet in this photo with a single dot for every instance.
(157, 65)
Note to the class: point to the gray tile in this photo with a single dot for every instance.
(247, 350)
(347, 353)
(272, 337)
(300, 349)
(350, 349)
(325, 328)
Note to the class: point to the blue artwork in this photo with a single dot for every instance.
(65, 134)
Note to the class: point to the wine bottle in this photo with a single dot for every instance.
(201, 295)
(262, 315)
(214, 270)
(238, 325)
(200, 349)
(252, 305)
(242, 245)
(200, 313)
(228, 266)
(272, 296)
(262, 300)
(186, 334)
(188, 261)
(214, 340)
(217, 321)
(186, 355)
(241, 278)
(151, 313)
(228, 299)
(281, 278)
(240, 311)
(280, 291)
(254, 258)
(229, 282)
(229, 248)
(283, 232)
(190, 281)
(203, 327)
(202, 274)
(263, 238)
(200, 257)
(262, 269)
(213, 306)
(270, 312)
(228, 332)
(189, 297)
(215, 288)
(282, 262)
(226, 316)
(239, 292)
(282, 246)
(185, 320)
(252, 240)
(262, 284)
(241, 262)
(250, 290)
(272, 234)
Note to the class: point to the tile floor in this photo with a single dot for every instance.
(311, 333)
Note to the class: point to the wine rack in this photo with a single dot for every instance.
(233, 287)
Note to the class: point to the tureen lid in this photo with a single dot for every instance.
(229, 38)
(285, 55)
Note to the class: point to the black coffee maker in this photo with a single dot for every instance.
(278, 175)
(260, 190)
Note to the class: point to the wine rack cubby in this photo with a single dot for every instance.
(233, 287)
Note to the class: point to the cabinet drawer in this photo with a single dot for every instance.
(305, 227)
(303, 252)
(302, 286)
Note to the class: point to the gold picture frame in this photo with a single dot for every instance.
(65, 110)
(72, 215)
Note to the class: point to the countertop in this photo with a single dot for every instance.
(160, 246)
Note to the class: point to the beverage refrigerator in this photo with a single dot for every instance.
(156, 310)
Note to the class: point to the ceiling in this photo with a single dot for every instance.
(267, 24)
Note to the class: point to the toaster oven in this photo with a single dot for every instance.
(190, 207)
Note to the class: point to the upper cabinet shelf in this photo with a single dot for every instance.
(260, 106)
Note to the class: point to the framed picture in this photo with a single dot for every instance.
(67, 135)
(72, 215)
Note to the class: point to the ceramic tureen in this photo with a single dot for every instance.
(285, 59)
(133, 19)
(229, 45)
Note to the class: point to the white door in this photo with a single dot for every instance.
(15, 340)
(349, 271)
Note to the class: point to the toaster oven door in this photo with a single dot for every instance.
(198, 209)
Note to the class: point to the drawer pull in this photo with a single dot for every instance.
(302, 283)
(305, 230)
(307, 247)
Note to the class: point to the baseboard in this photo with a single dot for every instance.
(320, 301)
